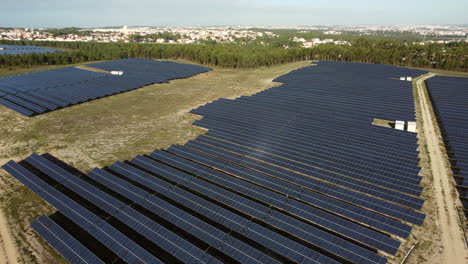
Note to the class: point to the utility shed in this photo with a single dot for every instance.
(409, 79)
(411, 126)
(116, 72)
(402, 78)
(400, 125)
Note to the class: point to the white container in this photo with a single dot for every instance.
(400, 125)
(402, 78)
(409, 79)
(411, 126)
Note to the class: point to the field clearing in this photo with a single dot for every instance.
(100, 132)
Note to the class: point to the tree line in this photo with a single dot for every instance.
(452, 56)
(67, 31)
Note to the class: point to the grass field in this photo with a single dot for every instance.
(103, 131)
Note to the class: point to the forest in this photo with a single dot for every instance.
(451, 56)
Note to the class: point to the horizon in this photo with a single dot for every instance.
(205, 13)
(242, 25)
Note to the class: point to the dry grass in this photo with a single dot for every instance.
(101, 132)
(383, 122)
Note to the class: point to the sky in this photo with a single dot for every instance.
(97, 13)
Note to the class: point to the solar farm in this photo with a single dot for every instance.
(18, 50)
(449, 97)
(296, 173)
(40, 92)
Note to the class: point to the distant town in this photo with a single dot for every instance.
(232, 34)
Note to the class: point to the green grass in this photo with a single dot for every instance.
(100, 132)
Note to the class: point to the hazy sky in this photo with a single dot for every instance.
(91, 13)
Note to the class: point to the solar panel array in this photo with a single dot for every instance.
(40, 92)
(296, 173)
(18, 49)
(449, 97)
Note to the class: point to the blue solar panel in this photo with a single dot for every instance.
(369, 202)
(211, 235)
(101, 230)
(18, 50)
(39, 92)
(313, 235)
(295, 173)
(330, 221)
(239, 224)
(71, 249)
(147, 227)
(449, 97)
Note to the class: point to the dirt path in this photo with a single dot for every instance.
(453, 248)
(8, 250)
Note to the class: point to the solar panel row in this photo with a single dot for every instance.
(275, 179)
(449, 97)
(63, 242)
(18, 50)
(101, 230)
(40, 92)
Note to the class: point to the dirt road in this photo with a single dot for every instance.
(8, 249)
(453, 248)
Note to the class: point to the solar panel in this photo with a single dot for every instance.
(39, 92)
(101, 230)
(209, 234)
(313, 235)
(328, 221)
(72, 250)
(448, 95)
(289, 249)
(141, 223)
(18, 50)
(295, 173)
